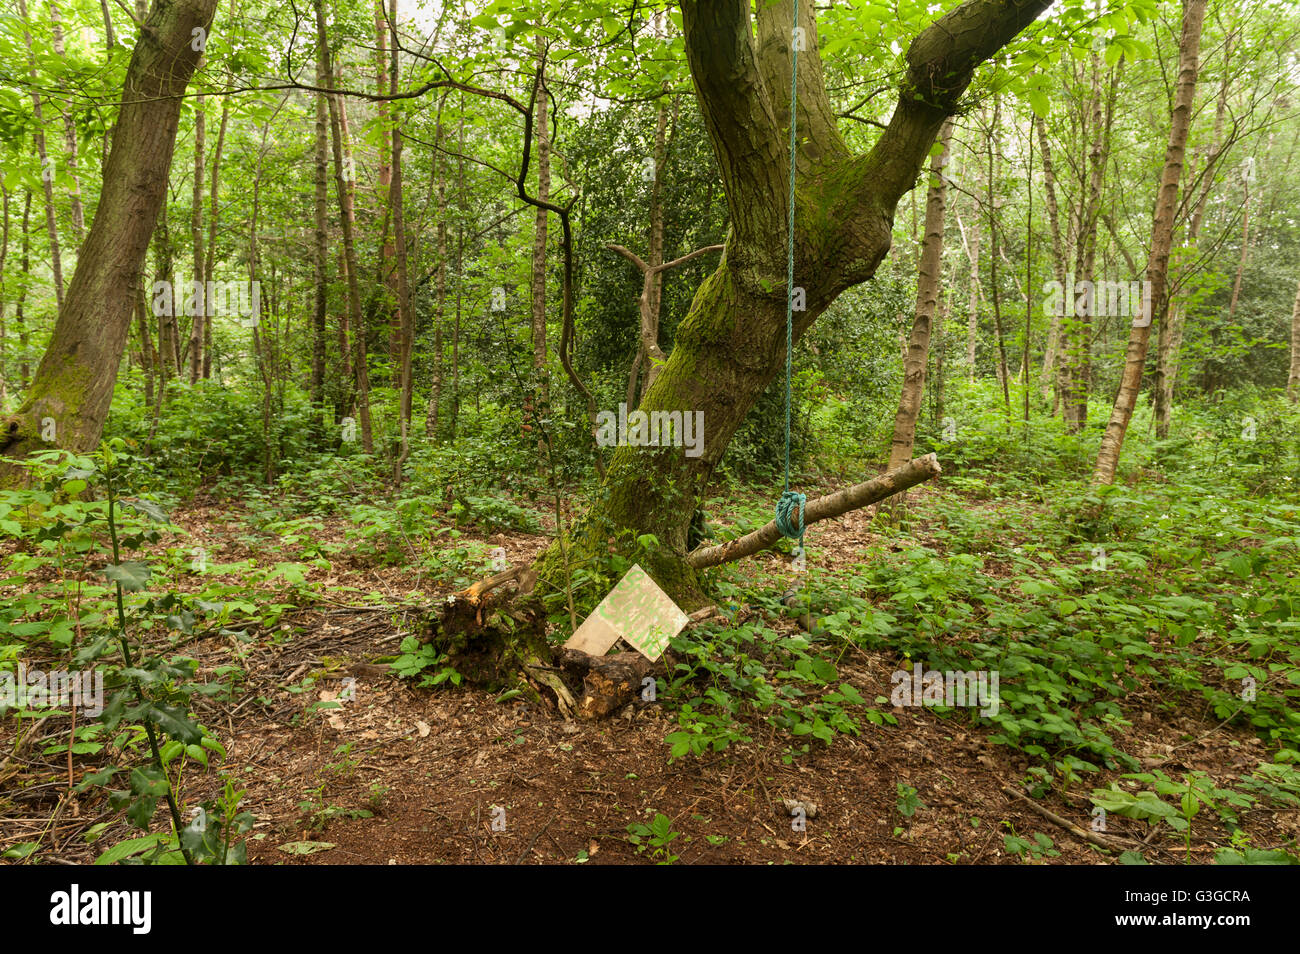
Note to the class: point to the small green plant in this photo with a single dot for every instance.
(1029, 850)
(655, 836)
(908, 801)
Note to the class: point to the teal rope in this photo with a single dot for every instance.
(791, 503)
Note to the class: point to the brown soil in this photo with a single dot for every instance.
(400, 775)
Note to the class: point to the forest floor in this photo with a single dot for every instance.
(403, 775)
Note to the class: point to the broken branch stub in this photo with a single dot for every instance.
(916, 471)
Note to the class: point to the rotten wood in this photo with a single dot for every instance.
(608, 682)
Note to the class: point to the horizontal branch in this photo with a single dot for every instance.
(914, 472)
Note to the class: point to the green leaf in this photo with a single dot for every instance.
(148, 508)
(1038, 102)
(176, 723)
(131, 576)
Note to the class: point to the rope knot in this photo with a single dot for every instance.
(789, 506)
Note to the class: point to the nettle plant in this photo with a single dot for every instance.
(71, 517)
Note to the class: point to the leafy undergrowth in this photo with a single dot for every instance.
(1145, 638)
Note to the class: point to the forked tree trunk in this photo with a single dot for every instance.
(731, 344)
(1162, 237)
(74, 383)
(927, 299)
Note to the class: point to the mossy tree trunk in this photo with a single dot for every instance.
(73, 386)
(731, 344)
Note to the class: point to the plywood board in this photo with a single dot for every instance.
(635, 610)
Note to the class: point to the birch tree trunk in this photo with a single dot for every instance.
(927, 299)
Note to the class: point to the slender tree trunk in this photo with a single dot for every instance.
(20, 322)
(169, 337)
(74, 383)
(1048, 379)
(404, 308)
(110, 36)
(1170, 338)
(4, 301)
(538, 400)
(1162, 235)
(196, 237)
(991, 205)
(148, 358)
(1077, 375)
(384, 192)
(344, 179)
(47, 164)
(320, 250)
(69, 130)
(1245, 253)
(439, 315)
(209, 263)
(1293, 378)
(461, 213)
(927, 299)
(972, 246)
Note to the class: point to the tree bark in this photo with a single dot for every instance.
(1162, 234)
(74, 383)
(927, 299)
